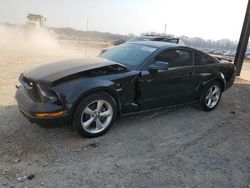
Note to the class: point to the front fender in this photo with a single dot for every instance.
(70, 92)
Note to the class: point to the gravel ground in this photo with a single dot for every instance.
(176, 147)
(245, 72)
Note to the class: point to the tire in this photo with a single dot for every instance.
(210, 98)
(95, 115)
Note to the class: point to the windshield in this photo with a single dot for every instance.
(130, 55)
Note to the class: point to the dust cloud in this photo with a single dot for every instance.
(33, 40)
(22, 49)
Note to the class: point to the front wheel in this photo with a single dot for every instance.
(95, 115)
(211, 96)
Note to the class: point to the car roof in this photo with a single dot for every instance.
(156, 44)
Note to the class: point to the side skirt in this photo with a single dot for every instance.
(159, 108)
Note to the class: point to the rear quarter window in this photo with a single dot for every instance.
(176, 58)
(203, 59)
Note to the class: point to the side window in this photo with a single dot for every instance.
(176, 58)
(203, 59)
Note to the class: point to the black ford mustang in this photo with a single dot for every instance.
(132, 77)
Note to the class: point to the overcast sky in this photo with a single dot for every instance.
(209, 19)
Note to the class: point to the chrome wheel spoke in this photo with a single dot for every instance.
(89, 111)
(105, 113)
(209, 102)
(99, 105)
(215, 91)
(87, 123)
(99, 124)
(210, 92)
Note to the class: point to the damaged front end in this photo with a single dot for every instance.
(39, 103)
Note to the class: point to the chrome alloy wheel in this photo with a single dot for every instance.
(213, 96)
(96, 116)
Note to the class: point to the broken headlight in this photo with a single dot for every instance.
(46, 94)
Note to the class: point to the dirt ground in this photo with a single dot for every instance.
(245, 72)
(177, 147)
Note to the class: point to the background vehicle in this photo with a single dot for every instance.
(118, 42)
(133, 77)
(160, 38)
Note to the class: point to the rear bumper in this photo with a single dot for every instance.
(29, 108)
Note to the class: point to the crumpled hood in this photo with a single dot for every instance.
(55, 71)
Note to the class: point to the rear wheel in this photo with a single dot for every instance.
(211, 96)
(95, 115)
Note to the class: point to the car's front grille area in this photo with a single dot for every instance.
(30, 88)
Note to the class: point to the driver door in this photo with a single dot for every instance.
(165, 87)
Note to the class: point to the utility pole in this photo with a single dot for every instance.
(86, 32)
(243, 42)
(165, 29)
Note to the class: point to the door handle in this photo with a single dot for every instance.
(141, 80)
(190, 74)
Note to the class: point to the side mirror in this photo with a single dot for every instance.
(158, 65)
